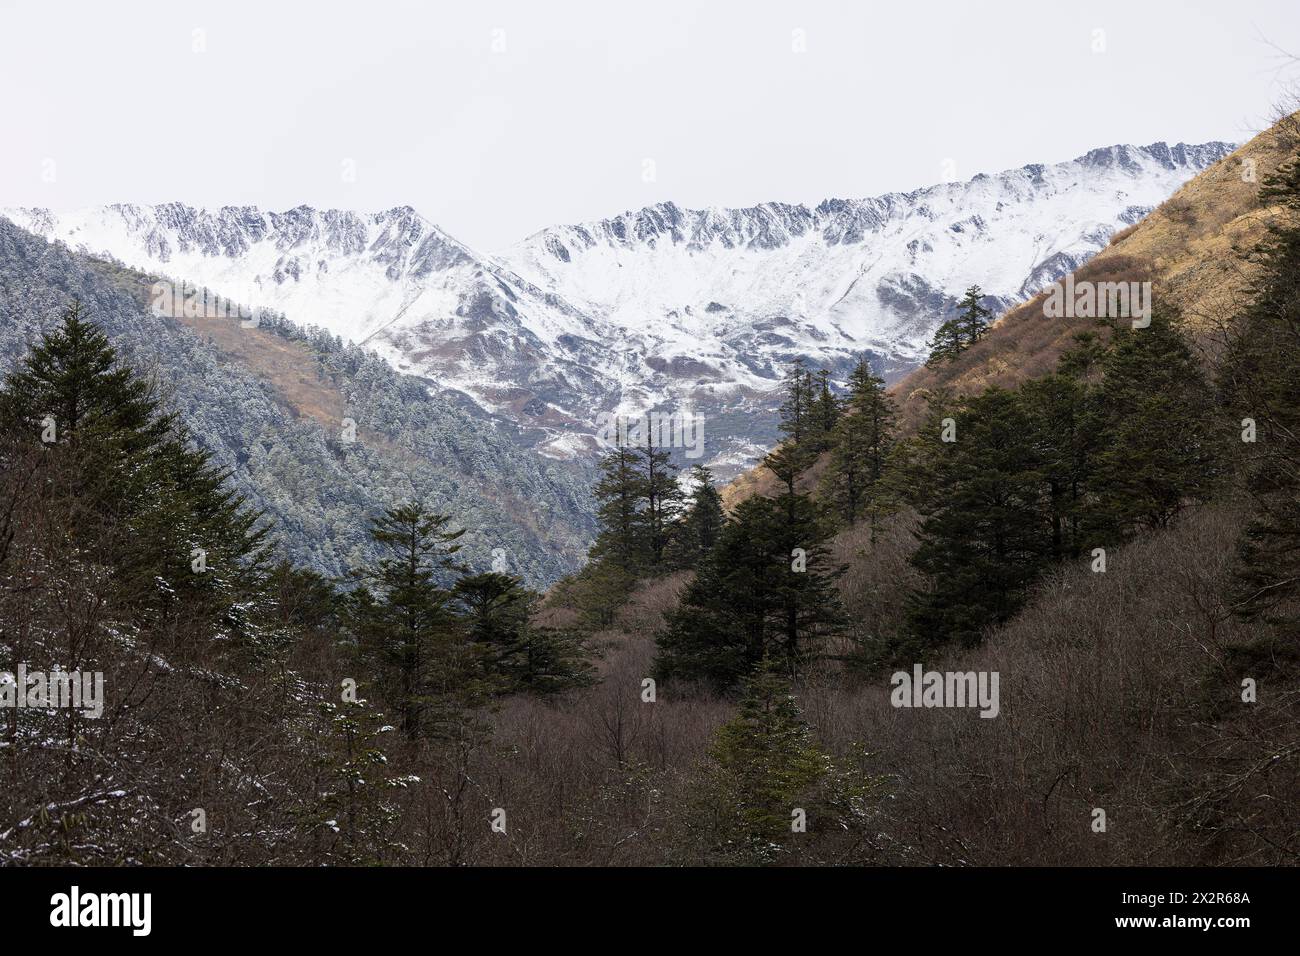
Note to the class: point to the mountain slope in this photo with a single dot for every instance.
(269, 403)
(661, 308)
(1194, 248)
(849, 275)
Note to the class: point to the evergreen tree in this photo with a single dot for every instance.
(354, 808)
(804, 599)
(720, 629)
(769, 787)
(766, 764)
(1160, 447)
(404, 621)
(861, 443)
(981, 540)
(518, 655)
(620, 541)
(698, 531)
(968, 326)
(163, 516)
(660, 505)
(1065, 439)
(597, 592)
(972, 318)
(824, 412)
(946, 344)
(766, 591)
(797, 407)
(1259, 377)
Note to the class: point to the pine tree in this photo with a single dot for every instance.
(597, 592)
(981, 540)
(946, 344)
(796, 408)
(967, 327)
(661, 502)
(1065, 438)
(518, 655)
(824, 412)
(972, 318)
(766, 591)
(1160, 445)
(766, 764)
(697, 533)
(805, 602)
(721, 628)
(354, 808)
(1260, 380)
(404, 620)
(176, 535)
(861, 444)
(620, 490)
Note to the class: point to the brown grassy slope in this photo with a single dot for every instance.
(289, 367)
(1194, 248)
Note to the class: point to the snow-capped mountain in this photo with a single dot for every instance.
(655, 308)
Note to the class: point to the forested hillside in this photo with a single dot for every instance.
(1098, 563)
(1113, 536)
(284, 437)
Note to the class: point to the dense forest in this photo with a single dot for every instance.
(289, 453)
(1118, 540)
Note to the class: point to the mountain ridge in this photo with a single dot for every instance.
(663, 307)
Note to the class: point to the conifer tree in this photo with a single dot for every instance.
(972, 318)
(824, 412)
(354, 807)
(946, 344)
(981, 540)
(404, 620)
(1161, 449)
(805, 602)
(797, 406)
(1065, 438)
(769, 786)
(1259, 377)
(177, 535)
(766, 763)
(661, 502)
(967, 327)
(697, 533)
(861, 443)
(721, 629)
(517, 654)
(766, 591)
(620, 541)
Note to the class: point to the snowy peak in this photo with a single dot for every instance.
(858, 274)
(175, 232)
(657, 307)
(773, 225)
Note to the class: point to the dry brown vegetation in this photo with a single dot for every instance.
(1120, 691)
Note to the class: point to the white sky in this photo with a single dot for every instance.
(558, 126)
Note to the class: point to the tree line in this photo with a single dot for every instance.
(1128, 433)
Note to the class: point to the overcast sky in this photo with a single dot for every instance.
(495, 119)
